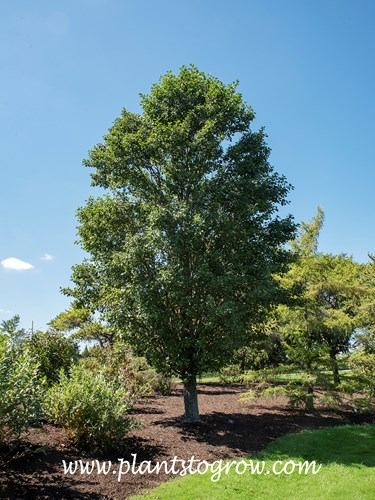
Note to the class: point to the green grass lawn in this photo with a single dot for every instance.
(277, 377)
(347, 455)
(204, 379)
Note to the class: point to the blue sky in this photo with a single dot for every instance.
(68, 67)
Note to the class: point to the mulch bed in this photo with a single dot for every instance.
(229, 429)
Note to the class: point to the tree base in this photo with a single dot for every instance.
(191, 400)
(189, 420)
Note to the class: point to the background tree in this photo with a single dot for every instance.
(52, 351)
(365, 337)
(362, 358)
(329, 309)
(184, 245)
(306, 242)
(266, 350)
(81, 325)
(10, 328)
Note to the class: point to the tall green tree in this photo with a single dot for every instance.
(307, 239)
(184, 245)
(328, 311)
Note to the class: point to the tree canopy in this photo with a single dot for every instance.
(184, 245)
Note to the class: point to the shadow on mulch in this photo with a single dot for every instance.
(245, 434)
(215, 388)
(229, 429)
(143, 449)
(145, 411)
(19, 489)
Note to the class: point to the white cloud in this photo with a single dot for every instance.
(5, 311)
(16, 264)
(47, 256)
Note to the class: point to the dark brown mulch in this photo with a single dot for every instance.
(229, 429)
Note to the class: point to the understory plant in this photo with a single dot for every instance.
(132, 372)
(92, 409)
(21, 391)
(306, 389)
(302, 389)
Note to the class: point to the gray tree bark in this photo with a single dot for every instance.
(191, 400)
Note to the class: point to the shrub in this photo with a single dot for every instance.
(53, 352)
(231, 374)
(162, 384)
(300, 391)
(262, 390)
(268, 374)
(21, 391)
(132, 372)
(93, 409)
(301, 394)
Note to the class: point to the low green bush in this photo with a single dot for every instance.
(132, 372)
(21, 391)
(162, 384)
(278, 374)
(231, 374)
(299, 388)
(92, 409)
(262, 390)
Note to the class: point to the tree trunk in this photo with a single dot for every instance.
(243, 363)
(335, 368)
(309, 403)
(191, 399)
